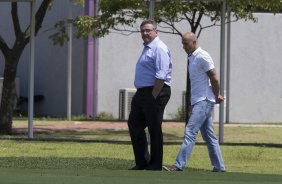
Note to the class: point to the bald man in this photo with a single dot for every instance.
(204, 95)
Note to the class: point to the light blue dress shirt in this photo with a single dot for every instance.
(154, 62)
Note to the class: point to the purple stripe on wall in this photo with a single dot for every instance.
(91, 69)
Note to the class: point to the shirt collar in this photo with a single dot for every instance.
(195, 52)
(152, 43)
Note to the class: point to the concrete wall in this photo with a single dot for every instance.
(255, 94)
(256, 70)
(256, 87)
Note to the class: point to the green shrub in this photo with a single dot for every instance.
(105, 116)
(180, 115)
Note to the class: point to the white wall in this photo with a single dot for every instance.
(255, 68)
(256, 86)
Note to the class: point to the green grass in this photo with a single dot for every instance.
(236, 134)
(23, 161)
(73, 162)
(232, 134)
(128, 177)
(70, 155)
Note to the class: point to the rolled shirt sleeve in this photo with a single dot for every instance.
(163, 63)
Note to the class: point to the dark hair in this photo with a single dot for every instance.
(148, 22)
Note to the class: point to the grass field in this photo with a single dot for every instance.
(101, 176)
(233, 133)
(39, 162)
(72, 162)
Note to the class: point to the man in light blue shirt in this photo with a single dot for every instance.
(154, 63)
(152, 80)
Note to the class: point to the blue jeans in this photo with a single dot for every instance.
(200, 119)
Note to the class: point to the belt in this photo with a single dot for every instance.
(145, 88)
(151, 87)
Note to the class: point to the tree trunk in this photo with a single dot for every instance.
(8, 95)
(12, 57)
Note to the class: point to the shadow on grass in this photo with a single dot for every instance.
(117, 169)
(65, 163)
(107, 136)
(102, 136)
(46, 133)
(64, 132)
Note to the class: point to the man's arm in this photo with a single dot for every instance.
(215, 85)
(157, 87)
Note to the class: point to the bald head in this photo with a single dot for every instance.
(189, 36)
(189, 42)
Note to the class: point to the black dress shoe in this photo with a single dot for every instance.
(153, 168)
(137, 167)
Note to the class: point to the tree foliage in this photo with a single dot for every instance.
(121, 15)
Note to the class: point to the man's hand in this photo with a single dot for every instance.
(157, 87)
(219, 99)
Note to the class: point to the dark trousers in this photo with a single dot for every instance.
(146, 111)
